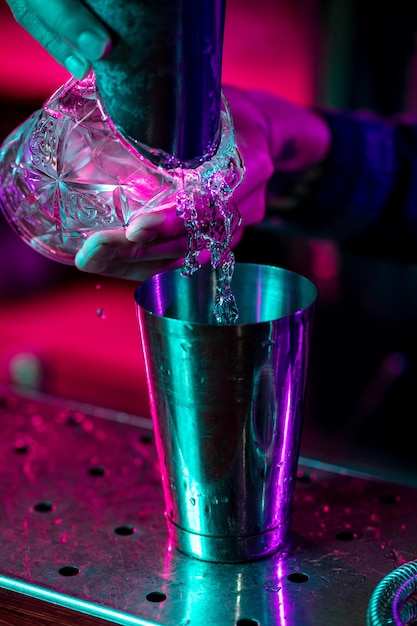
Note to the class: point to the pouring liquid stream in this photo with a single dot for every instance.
(211, 219)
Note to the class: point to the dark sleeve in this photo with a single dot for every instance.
(367, 190)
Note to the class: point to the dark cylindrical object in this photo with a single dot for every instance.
(161, 83)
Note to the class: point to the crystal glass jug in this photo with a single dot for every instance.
(87, 162)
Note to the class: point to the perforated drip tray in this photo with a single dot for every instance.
(82, 526)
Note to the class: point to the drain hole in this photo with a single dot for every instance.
(75, 419)
(389, 498)
(147, 438)
(44, 507)
(97, 470)
(21, 448)
(245, 621)
(69, 570)
(125, 530)
(156, 596)
(304, 477)
(298, 577)
(346, 535)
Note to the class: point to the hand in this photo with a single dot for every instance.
(69, 31)
(275, 135)
(151, 244)
(272, 135)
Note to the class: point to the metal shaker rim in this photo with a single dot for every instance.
(177, 298)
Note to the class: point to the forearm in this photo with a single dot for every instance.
(367, 182)
(358, 176)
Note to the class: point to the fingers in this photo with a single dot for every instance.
(163, 224)
(139, 271)
(295, 137)
(109, 253)
(252, 205)
(71, 33)
(159, 243)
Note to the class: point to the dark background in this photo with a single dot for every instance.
(361, 401)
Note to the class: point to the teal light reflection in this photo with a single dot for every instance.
(82, 606)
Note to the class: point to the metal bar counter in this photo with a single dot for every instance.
(83, 534)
